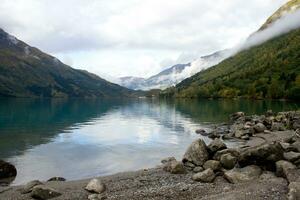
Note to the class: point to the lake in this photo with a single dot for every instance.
(82, 138)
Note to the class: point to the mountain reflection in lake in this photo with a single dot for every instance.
(81, 138)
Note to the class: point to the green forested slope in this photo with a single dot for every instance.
(270, 70)
(27, 72)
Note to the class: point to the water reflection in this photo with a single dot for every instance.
(83, 138)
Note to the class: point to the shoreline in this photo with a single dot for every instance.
(265, 166)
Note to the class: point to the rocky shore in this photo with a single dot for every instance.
(264, 165)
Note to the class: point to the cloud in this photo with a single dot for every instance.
(133, 29)
(283, 25)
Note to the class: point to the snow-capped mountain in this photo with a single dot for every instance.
(175, 74)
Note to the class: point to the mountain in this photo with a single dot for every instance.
(173, 75)
(267, 70)
(26, 71)
(290, 7)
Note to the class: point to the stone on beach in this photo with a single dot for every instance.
(95, 186)
(265, 154)
(259, 128)
(212, 164)
(206, 176)
(29, 186)
(216, 145)
(43, 192)
(291, 156)
(7, 170)
(196, 153)
(248, 173)
(228, 161)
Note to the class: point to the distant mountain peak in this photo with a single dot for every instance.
(174, 74)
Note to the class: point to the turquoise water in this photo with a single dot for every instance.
(81, 138)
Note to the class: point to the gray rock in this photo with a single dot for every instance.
(7, 170)
(168, 159)
(174, 167)
(240, 133)
(296, 124)
(43, 192)
(196, 153)
(294, 191)
(265, 154)
(287, 170)
(245, 174)
(177, 167)
(233, 152)
(296, 146)
(207, 176)
(259, 127)
(216, 145)
(236, 116)
(56, 179)
(95, 186)
(189, 164)
(29, 186)
(198, 169)
(212, 164)
(228, 161)
(287, 147)
(291, 156)
(277, 126)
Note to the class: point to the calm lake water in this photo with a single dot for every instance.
(81, 138)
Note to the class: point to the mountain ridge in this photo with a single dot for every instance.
(172, 75)
(267, 70)
(26, 71)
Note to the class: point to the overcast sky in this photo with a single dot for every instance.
(115, 38)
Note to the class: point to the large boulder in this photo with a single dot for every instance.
(228, 161)
(263, 155)
(196, 153)
(288, 171)
(95, 186)
(291, 156)
(29, 186)
(207, 176)
(7, 170)
(238, 175)
(259, 128)
(277, 126)
(212, 164)
(216, 145)
(43, 192)
(233, 152)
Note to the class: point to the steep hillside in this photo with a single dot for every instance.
(270, 70)
(25, 71)
(289, 7)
